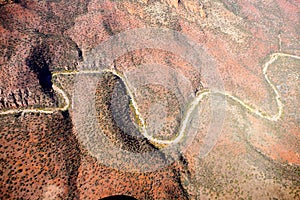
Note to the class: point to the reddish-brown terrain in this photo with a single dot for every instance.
(43, 155)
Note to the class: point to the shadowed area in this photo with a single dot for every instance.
(119, 197)
(116, 115)
(39, 61)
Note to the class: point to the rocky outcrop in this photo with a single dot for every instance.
(24, 98)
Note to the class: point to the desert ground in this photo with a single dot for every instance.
(144, 99)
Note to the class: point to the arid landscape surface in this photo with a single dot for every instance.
(56, 94)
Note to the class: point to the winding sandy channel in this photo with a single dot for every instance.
(199, 96)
